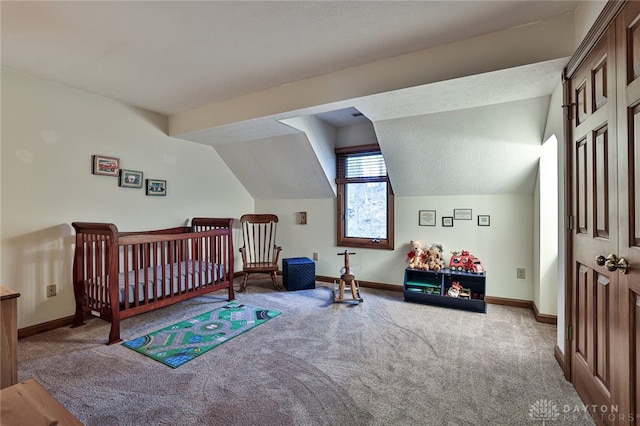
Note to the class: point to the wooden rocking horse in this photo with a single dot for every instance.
(347, 278)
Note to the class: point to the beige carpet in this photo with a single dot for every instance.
(384, 362)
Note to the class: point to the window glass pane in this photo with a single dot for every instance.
(366, 210)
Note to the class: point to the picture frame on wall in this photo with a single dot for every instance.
(427, 217)
(462, 214)
(106, 166)
(156, 187)
(484, 220)
(447, 221)
(130, 178)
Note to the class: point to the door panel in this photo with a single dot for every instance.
(602, 333)
(583, 306)
(601, 183)
(581, 178)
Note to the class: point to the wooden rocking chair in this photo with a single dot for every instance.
(259, 253)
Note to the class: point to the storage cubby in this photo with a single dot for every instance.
(431, 288)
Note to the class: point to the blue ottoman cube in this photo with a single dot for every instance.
(298, 273)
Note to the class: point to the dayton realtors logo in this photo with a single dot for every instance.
(543, 411)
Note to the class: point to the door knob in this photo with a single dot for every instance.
(611, 262)
(623, 265)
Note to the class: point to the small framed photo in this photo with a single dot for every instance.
(427, 217)
(484, 220)
(462, 214)
(130, 178)
(107, 166)
(156, 187)
(447, 221)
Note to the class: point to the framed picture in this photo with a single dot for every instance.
(107, 166)
(156, 187)
(130, 178)
(484, 220)
(447, 221)
(427, 217)
(462, 214)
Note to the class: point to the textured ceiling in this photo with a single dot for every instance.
(175, 56)
(453, 153)
(170, 56)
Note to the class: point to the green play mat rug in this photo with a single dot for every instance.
(180, 343)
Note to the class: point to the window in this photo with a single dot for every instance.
(365, 198)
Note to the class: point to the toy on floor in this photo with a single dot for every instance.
(347, 279)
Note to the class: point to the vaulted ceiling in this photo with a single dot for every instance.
(456, 93)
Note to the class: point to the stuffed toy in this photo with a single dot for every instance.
(434, 260)
(415, 257)
(438, 248)
(430, 262)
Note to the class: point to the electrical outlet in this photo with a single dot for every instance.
(316, 255)
(51, 290)
(520, 273)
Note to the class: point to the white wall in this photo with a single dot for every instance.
(49, 133)
(502, 247)
(584, 16)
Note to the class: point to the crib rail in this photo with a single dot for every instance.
(121, 274)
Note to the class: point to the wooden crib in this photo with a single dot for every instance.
(117, 275)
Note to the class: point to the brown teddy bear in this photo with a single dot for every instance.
(415, 257)
(434, 261)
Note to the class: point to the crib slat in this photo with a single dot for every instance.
(163, 273)
(144, 271)
(194, 249)
(136, 276)
(125, 260)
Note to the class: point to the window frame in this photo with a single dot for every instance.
(341, 182)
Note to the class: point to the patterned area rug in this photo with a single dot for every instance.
(180, 343)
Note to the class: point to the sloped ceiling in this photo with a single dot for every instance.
(474, 135)
(174, 57)
(484, 150)
(282, 167)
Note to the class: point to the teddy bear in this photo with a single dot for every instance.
(415, 257)
(431, 262)
(438, 248)
(433, 258)
(436, 265)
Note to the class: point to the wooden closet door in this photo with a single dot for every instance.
(627, 338)
(604, 147)
(594, 159)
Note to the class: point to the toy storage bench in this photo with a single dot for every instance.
(432, 287)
